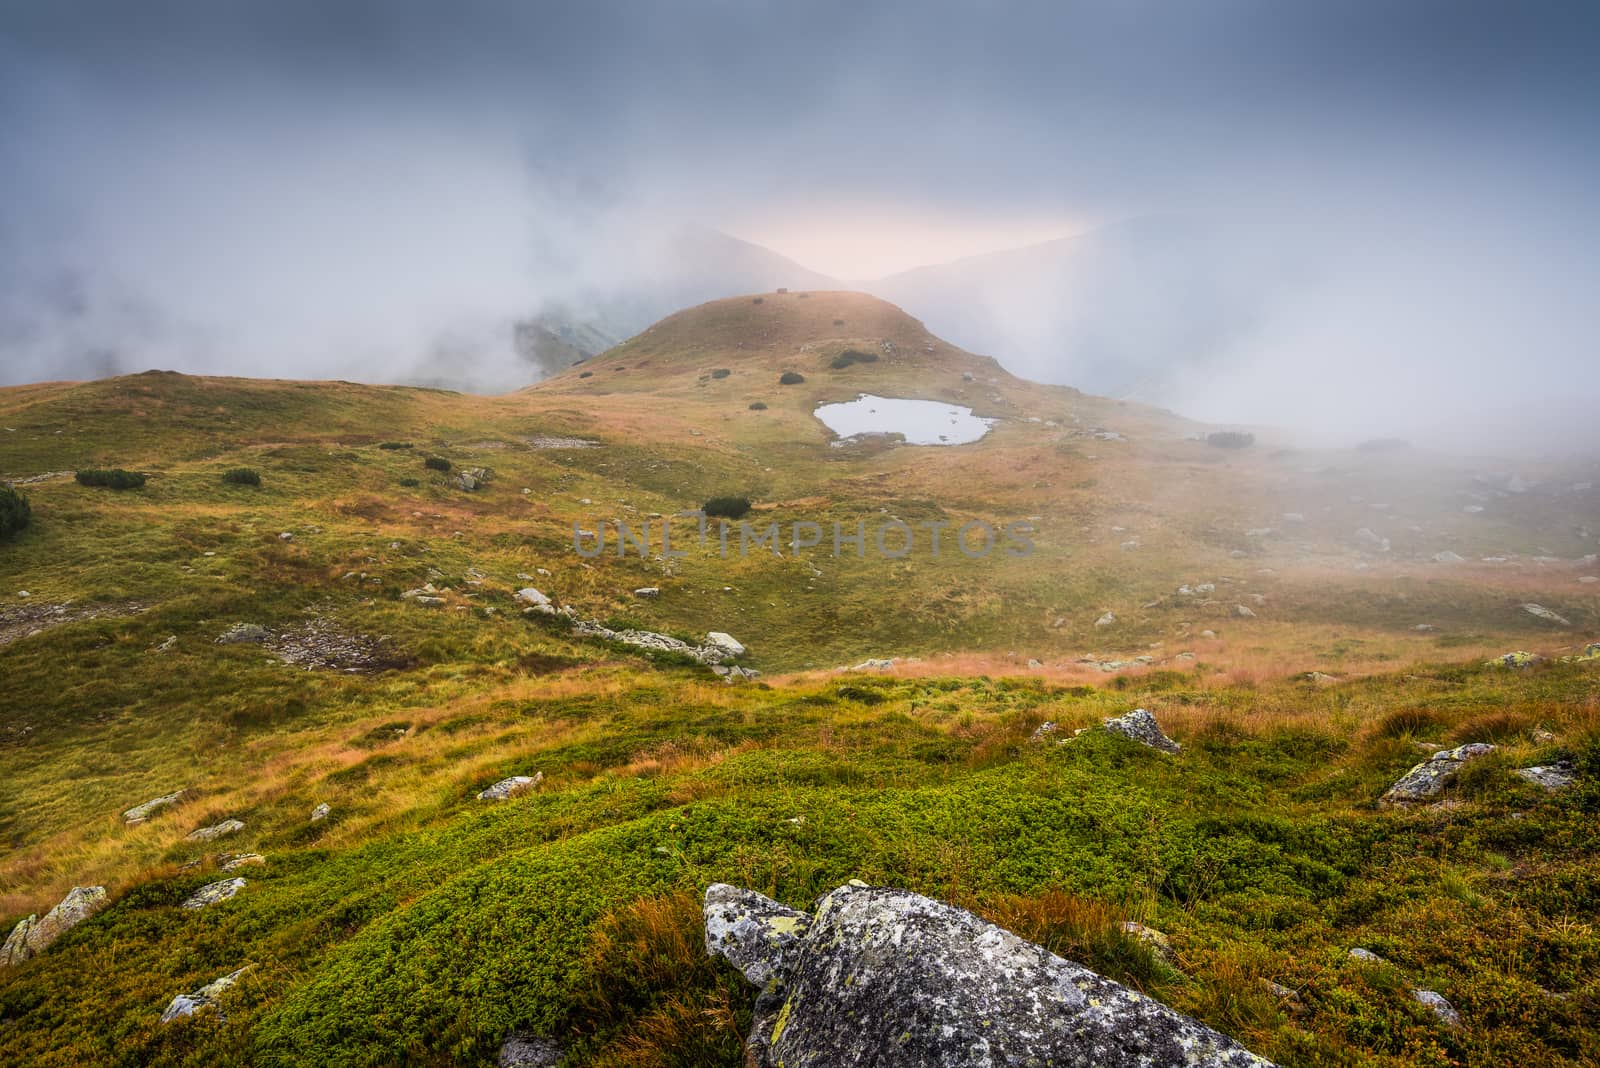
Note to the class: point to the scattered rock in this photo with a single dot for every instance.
(515, 786)
(1366, 956)
(1278, 990)
(1105, 620)
(1428, 779)
(321, 812)
(1243, 611)
(872, 664)
(212, 833)
(893, 979)
(235, 861)
(1044, 730)
(1544, 613)
(207, 997)
(1208, 633)
(139, 813)
(1141, 726)
(32, 936)
(1321, 679)
(726, 642)
(425, 595)
(650, 640)
(1441, 1008)
(1552, 777)
(322, 643)
(528, 1051)
(244, 632)
(213, 893)
(470, 478)
(1448, 557)
(1154, 939)
(1515, 660)
(172, 640)
(1032, 663)
(536, 600)
(647, 591)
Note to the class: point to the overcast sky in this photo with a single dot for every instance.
(318, 188)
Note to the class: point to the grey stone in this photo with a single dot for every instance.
(754, 933)
(1428, 779)
(647, 591)
(1552, 777)
(875, 664)
(235, 861)
(1366, 956)
(515, 786)
(207, 997)
(32, 936)
(212, 893)
(321, 812)
(892, 979)
(140, 813)
(1545, 614)
(1441, 1008)
(528, 1051)
(1141, 726)
(212, 833)
(726, 642)
(470, 478)
(243, 632)
(1106, 620)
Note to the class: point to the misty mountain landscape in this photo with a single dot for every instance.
(763, 536)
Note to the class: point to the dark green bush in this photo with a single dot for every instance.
(408, 482)
(758, 406)
(850, 356)
(395, 445)
(242, 476)
(113, 478)
(726, 507)
(14, 512)
(791, 378)
(585, 374)
(721, 372)
(1230, 439)
(436, 463)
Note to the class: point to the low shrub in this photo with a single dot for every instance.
(409, 482)
(721, 372)
(791, 378)
(436, 463)
(758, 300)
(585, 374)
(14, 512)
(1230, 439)
(111, 478)
(850, 356)
(726, 507)
(758, 406)
(395, 445)
(242, 476)
(1406, 721)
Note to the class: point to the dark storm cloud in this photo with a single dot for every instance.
(352, 188)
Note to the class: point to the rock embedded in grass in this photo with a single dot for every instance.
(1141, 726)
(212, 893)
(32, 936)
(215, 831)
(321, 812)
(1541, 612)
(516, 785)
(139, 813)
(1445, 1011)
(891, 978)
(726, 642)
(235, 861)
(243, 632)
(1428, 779)
(528, 1051)
(207, 997)
(1552, 777)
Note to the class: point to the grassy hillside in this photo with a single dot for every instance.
(419, 924)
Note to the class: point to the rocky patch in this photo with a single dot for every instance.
(323, 644)
(515, 786)
(25, 620)
(1552, 777)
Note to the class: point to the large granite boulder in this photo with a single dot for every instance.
(890, 978)
(1428, 779)
(32, 936)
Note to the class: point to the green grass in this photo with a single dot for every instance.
(419, 925)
